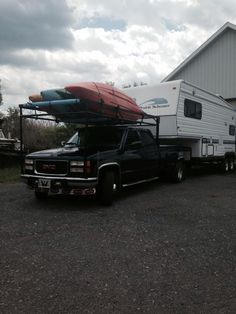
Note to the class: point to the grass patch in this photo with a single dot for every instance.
(11, 174)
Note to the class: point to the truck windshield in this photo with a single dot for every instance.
(96, 136)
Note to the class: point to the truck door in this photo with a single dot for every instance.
(149, 153)
(131, 159)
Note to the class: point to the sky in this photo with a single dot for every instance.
(52, 43)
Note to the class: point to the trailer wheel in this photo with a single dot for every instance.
(41, 195)
(225, 165)
(179, 172)
(107, 188)
(231, 164)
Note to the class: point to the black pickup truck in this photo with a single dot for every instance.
(100, 160)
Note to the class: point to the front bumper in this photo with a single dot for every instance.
(62, 185)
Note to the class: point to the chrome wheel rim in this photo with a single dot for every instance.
(226, 166)
(180, 174)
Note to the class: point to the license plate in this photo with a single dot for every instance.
(44, 183)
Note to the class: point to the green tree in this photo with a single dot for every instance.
(37, 134)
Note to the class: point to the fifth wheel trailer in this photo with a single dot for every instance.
(191, 117)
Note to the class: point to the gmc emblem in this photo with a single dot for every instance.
(48, 167)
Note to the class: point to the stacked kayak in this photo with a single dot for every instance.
(89, 101)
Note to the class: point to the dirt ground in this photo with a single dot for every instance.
(161, 248)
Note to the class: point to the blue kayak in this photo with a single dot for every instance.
(75, 110)
(50, 94)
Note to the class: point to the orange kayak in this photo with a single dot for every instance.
(88, 99)
(96, 93)
(35, 98)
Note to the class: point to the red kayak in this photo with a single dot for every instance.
(111, 98)
(88, 101)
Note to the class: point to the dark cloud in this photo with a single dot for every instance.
(50, 43)
(21, 59)
(34, 24)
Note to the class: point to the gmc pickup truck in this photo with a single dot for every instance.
(100, 160)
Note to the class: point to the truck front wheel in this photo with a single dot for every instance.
(179, 172)
(106, 188)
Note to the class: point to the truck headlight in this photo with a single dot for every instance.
(77, 166)
(80, 166)
(29, 164)
(75, 163)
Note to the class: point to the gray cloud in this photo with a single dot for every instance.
(22, 59)
(52, 43)
(35, 24)
(105, 22)
(163, 14)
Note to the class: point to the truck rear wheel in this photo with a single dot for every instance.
(179, 172)
(107, 188)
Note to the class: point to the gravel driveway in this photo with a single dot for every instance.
(161, 248)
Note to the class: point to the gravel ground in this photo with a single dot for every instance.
(161, 248)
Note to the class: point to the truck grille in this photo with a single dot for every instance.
(56, 167)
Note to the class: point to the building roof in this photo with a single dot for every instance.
(225, 27)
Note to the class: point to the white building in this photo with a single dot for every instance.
(213, 65)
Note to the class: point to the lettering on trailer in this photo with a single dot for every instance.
(154, 103)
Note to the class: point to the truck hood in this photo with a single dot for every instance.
(56, 152)
(64, 152)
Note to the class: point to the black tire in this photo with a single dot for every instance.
(225, 166)
(41, 195)
(231, 164)
(179, 172)
(106, 188)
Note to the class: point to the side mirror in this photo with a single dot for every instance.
(63, 143)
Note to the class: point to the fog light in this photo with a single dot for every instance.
(29, 167)
(73, 169)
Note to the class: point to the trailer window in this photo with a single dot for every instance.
(232, 130)
(192, 109)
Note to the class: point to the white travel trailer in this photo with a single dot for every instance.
(191, 117)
